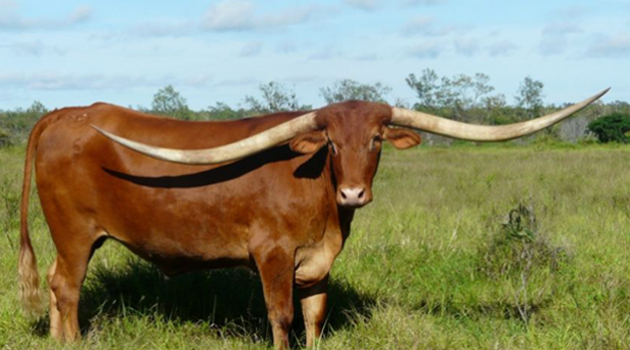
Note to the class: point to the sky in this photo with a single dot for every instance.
(73, 52)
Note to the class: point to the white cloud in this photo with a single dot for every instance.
(237, 82)
(367, 57)
(617, 46)
(427, 26)
(562, 28)
(419, 24)
(423, 2)
(571, 12)
(286, 47)
(8, 6)
(553, 45)
(426, 50)
(501, 48)
(80, 15)
(494, 32)
(34, 48)
(466, 46)
(300, 79)
(251, 49)
(68, 81)
(230, 15)
(326, 53)
(235, 15)
(11, 20)
(367, 5)
(556, 36)
(164, 28)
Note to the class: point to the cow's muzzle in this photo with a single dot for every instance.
(355, 196)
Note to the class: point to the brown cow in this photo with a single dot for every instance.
(275, 193)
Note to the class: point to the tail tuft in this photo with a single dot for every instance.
(30, 293)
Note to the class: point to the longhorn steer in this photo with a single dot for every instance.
(276, 193)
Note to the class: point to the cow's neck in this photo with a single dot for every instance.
(314, 261)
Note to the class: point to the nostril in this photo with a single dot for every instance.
(361, 194)
(343, 194)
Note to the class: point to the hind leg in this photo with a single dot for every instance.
(75, 241)
(56, 327)
(74, 234)
(70, 270)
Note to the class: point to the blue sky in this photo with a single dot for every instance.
(68, 52)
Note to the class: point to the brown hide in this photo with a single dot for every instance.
(279, 211)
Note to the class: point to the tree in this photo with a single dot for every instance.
(426, 87)
(530, 97)
(611, 128)
(37, 108)
(221, 111)
(15, 126)
(275, 98)
(463, 92)
(453, 97)
(168, 101)
(495, 108)
(348, 89)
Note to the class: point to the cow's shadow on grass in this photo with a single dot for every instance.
(228, 301)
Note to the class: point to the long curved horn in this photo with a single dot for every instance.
(463, 131)
(233, 151)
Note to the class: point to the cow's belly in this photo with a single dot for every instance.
(173, 264)
(180, 241)
(176, 255)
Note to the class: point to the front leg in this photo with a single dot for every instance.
(313, 301)
(275, 265)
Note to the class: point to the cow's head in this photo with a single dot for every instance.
(353, 131)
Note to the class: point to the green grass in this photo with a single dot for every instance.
(432, 263)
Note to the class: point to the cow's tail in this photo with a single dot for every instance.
(30, 293)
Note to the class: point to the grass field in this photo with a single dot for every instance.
(433, 263)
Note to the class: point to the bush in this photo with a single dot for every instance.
(16, 125)
(5, 138)
(518, 247)
(611, 128)
(519, 255)
(168, 101)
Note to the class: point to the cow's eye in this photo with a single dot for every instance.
(375, 143)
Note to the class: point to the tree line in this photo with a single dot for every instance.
(462, 97)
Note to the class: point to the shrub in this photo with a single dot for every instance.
(519, 255)
(5, 138)
(518, 247)
(611, 128)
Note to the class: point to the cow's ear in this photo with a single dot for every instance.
(309, 142)
(402, 138)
